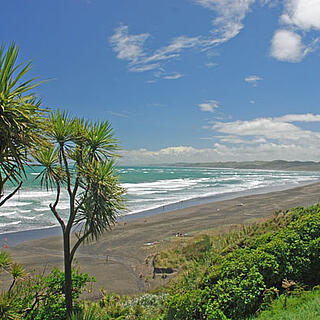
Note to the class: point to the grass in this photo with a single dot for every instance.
(305, 306)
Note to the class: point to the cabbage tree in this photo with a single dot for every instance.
(79, 156)
(20, 119)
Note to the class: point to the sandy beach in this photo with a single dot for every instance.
(116, 260)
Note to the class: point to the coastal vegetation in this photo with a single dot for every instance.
(251, 271)
(263, 270)
(75, 154)
(78, 156)
(21, 119)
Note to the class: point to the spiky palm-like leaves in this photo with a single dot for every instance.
(101, 201)
(5, 260)
(79, 157)
(20, 118)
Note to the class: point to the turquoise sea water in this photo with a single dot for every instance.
(147, 188)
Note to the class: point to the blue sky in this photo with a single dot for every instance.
(180, 80)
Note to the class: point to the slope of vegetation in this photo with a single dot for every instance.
(303, 306)
(265, 270)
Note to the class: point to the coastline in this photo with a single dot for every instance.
(126, 245)
(15, 238)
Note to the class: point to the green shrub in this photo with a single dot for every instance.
(42, 297)
(188, 306)
(244, 280)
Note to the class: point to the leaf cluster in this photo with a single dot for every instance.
(21, 117)
(79, 156)
(41, 297)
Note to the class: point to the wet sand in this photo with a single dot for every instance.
(116, 260)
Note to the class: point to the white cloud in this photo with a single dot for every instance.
(252, 101)
(131, 48)
(165, 155)
(287, 46)
(128, 47)
(298, 16)
(173, 76)
(209, 106)
(174, 49)
(118, 114)
(146, 67)
(308, 117)
(253, 79)
(230, 14)
(257, 139)
(278, 131)
(211, 64)
(304, 14)
(227, 23)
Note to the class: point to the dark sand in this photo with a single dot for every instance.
(124, 247)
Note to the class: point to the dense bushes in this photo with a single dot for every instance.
(41, 297)
(236, 286)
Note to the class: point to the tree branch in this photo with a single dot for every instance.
(54, 211)
(67, 170)
(77, 244)
(83, 199)
(71, 195)
(10, 195)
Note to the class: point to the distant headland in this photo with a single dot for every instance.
(262, 165)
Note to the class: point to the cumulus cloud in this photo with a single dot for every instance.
(287, 45)
(257, 139)
(253, 79)
(209, 106)
(304, 14)
(299, 16)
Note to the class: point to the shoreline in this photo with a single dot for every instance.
(16, 237)
(118, 258)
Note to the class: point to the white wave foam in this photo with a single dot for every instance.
(24, 211)
(63, 205)
(16, 204)
(29, 218)
(159, 186)
(9, 223)
(35, 194)
(42, 209)
(7, 214)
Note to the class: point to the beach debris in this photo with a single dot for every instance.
(151, 243)
(5, 243)
(179, 234)
(240, 204)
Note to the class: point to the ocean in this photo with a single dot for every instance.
(150, 189)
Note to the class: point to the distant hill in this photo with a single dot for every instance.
(263, 165)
